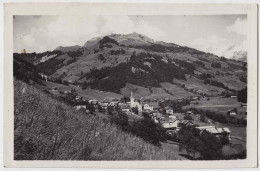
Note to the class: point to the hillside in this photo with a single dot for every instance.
(47, 129)
(112, 62)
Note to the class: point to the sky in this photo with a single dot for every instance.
(221, 35)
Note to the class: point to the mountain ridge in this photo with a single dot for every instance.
(151, 62)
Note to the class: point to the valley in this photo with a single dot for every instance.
(145, 88)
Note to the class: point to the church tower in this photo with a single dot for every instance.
(132, 99)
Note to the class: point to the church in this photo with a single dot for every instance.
(134, 103)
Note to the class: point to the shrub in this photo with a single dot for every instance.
(216, 65)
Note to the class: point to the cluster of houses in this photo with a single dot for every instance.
(166, 117)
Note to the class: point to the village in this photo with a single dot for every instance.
(170, 120)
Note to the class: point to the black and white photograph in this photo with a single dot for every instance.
(130, 87)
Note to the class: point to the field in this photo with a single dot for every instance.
(176, 91)
(220, 105)
(197, 84)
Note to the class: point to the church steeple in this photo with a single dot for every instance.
(132, 99)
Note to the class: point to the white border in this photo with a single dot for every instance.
(131, 9)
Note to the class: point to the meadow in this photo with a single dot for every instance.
(47, 129)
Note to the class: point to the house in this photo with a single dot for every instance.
(195, 98)
(80, 107)
(93, 101)
(186, 123)
(231, 113)
(218, 132)
(194, 102)
(168, 110)
(147, 107)
(169, 124)
(77, 97)
(190, 113)
(104, 103)
(125, 108)
(233, 97)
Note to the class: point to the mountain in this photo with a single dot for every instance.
(67, 48)
(113, 62)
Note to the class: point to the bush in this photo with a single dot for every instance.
(216, 65)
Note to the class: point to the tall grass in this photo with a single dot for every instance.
(47, 129)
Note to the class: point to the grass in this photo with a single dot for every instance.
(47, 129)
(220, 105)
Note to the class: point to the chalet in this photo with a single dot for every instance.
(169, 124)
(78, 97)
(194, 102)
(195, 98)
(190, 113)
(168, 110)
(218, 132)
(80, 107)
(93, 101)
(125, 108)
(147, 107)
(231, 113)
(104, 103)
(172, 117)
(186, 123)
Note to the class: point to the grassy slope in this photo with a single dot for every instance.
(46, 129)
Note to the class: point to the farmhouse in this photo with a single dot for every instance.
(80, 107)
(185, 123)
(218, 132)
(169, 124)
(168, 110)
(231, 113)
(125, 108)
(190, 113)
(93, 101)
(147, 107)
(195, 98)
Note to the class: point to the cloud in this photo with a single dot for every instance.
(218, 46)
(212, 44)
(69, 30)
(239, 27)
(146, 29)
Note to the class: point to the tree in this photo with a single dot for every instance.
(188, 117)
(242, 95)
(203, 117)
(149, 131)
(135, 110)
(120, 119)
(206, 144)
